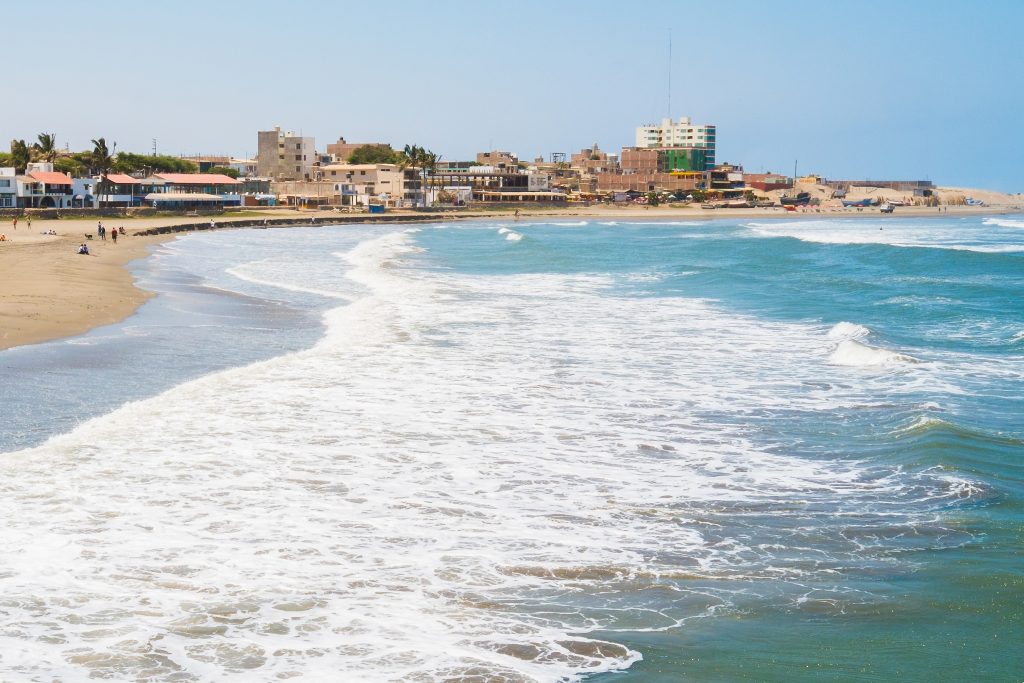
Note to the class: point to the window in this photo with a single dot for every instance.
(298, 157)
(5, 183)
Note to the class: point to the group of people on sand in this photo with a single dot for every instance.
(28, 219)
(101, 230)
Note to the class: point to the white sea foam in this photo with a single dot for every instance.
(937, 234)
(510, 235)
(845, 330)
(464, 478)
(853, 353)
(1004, 222)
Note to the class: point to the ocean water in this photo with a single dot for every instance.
(746, 450)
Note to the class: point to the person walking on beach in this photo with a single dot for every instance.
(29, 219)
(15, 222)
(113, 236)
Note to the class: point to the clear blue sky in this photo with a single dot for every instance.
(882, 89)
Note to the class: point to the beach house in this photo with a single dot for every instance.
(43, 188)
(120, 190)
(191, 191)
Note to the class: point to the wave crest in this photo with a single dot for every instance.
(854, 354)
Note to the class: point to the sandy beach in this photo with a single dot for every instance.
(49, 291)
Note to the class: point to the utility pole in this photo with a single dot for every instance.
(670, 74)
(154, 146)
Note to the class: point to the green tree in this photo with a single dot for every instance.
(20, 155)
(652, 198)
(374, 154)
(411, 155)
(128, 162)
(70, 165)
(224, 170)
(46, 148)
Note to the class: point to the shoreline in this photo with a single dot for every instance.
(48, 291)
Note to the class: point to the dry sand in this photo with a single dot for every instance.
(49, 291)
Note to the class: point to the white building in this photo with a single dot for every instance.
(8, 188)
(246, 167)
(43, 188)
(683, 133)
(538, 182)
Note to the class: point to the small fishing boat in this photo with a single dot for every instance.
(800, 199)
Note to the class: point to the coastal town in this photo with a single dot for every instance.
(672, 162)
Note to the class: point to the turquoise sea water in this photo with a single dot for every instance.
(764, 450)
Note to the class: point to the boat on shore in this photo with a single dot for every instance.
(799, 199)
(859, 203)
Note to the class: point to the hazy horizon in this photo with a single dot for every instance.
(918, 91)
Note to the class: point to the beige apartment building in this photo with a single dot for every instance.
(359, 183)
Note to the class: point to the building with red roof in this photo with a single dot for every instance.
(42, 187)
(193, 190)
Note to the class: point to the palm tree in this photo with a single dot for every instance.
(20, 155)
(428, 164)
(412, 155)
(46, 148)
(102, 160)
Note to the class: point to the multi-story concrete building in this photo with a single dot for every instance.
(284, 155)
(682, 134)
(635, 160)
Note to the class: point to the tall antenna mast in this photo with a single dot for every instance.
(670, 74)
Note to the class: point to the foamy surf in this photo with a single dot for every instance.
(465, 479)
(852, 353)
(846, 330)
(922, 233)
(510, 235)
(1004, 222)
